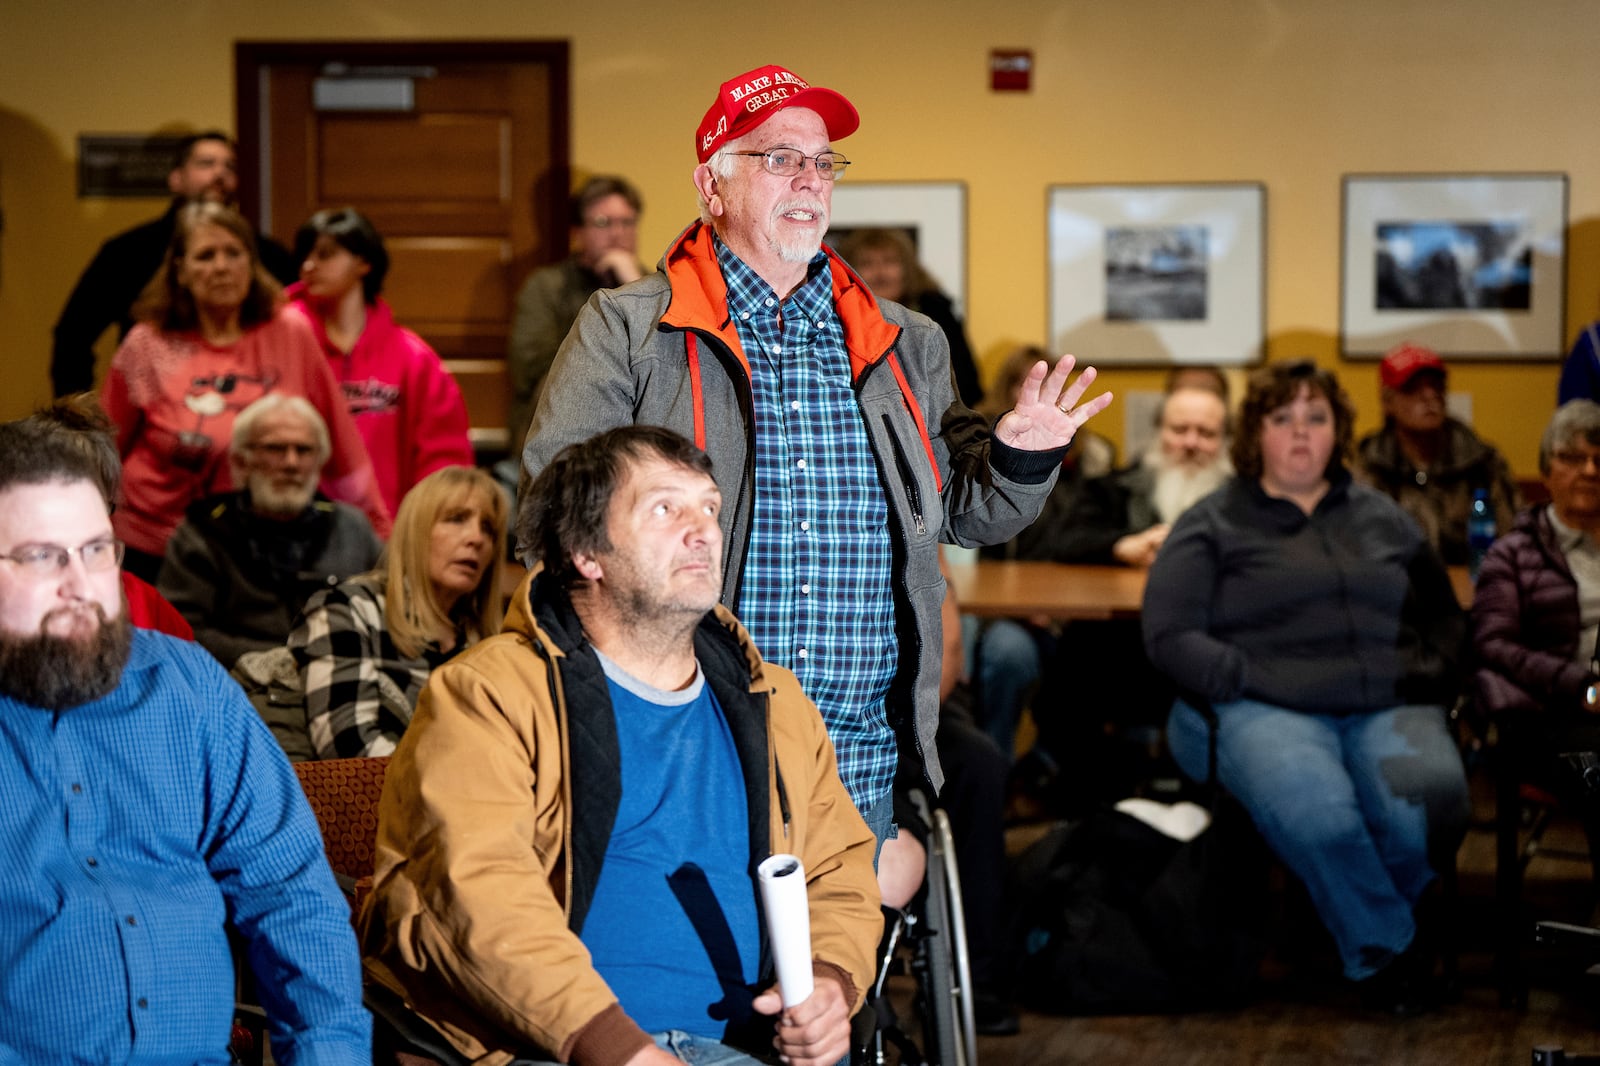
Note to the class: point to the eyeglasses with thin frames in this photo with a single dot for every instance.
(49, 560)
(1577, 459)
(787, 162)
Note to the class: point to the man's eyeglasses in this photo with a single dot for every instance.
(787, 162)
(1577, 459)
(49, 560)
(603, 222)
(284, 449)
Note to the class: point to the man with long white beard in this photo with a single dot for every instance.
(840, 445)
(149, 813)
(243, 564)
(1124, 517)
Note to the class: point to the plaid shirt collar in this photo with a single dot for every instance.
(749, 295)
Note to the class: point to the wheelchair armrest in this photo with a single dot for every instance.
(863, 1027)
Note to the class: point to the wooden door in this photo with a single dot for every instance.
(457, 152)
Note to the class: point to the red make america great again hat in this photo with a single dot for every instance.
(1405, 362)
(745, 102)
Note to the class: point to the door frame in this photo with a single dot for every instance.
(252, 58)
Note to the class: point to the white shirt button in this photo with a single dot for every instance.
(822, 324)
(794, 405)
(801, 464)
(802, 653)
(777, 349)
(771, 302)
(805, 527)
(805, 588)
(745, 315)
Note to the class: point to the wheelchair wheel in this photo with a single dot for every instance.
(965, 1011)
(944, 982)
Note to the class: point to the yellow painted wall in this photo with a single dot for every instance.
(1292, 93)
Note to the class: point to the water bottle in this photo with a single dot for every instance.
(1480, 529)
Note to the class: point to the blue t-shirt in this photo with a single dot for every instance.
(672, 928)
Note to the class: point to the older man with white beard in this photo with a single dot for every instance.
(1185, 462)
(244, 563)
(1124, 516)
(839, 443)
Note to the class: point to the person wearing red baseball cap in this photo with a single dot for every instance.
(1430, 463)
(843, 453)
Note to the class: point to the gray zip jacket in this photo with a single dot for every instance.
(663, 351)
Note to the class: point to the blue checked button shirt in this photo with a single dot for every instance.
(133, 830)
(817, 593)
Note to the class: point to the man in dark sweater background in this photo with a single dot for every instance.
(204, 167)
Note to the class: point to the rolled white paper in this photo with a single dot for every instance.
(783, 893)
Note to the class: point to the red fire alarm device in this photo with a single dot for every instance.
(1010, 70)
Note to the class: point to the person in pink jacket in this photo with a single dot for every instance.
(405, 403)
(212, 338)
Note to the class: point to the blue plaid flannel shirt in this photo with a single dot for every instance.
(817, 590)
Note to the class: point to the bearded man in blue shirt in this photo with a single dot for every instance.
(148, 813)
(840, 445)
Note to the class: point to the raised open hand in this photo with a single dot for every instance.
(1047, 414)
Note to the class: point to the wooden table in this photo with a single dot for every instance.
(1063, 592)
(1073, 593)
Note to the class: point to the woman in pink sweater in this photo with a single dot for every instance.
(211, 340)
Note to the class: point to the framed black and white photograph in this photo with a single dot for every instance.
(1469, 265)
(933, 214)
(1158, 274)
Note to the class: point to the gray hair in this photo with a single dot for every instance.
(244, 426)
(722, 162)
(1573, 420)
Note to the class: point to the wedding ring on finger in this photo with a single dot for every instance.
(1063, 408)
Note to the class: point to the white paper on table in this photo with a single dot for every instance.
(783, 894)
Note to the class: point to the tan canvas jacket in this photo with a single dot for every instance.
(486, 860)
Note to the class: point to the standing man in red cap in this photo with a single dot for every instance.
(1429, 462)
(842, 451)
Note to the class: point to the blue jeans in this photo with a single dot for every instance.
(1349, 803)
(700, 1050)
(880, 819)
(686, 1047)
(1002, 665)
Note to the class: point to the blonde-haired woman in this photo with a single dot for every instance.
(365, 648)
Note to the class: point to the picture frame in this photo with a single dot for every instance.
(1162, 275)
(1471, 265)
(932, 213)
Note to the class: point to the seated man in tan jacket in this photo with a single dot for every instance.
(571, 825)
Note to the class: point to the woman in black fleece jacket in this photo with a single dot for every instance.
(1310, 614)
